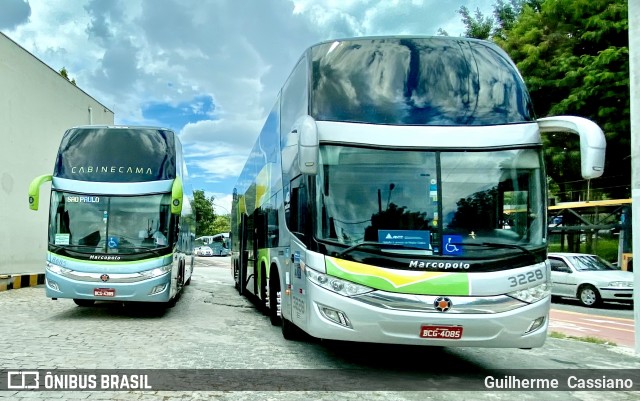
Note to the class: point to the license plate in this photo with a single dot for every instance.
(444, 332)
(104, 292)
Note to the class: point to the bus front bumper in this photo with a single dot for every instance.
(77, 285)
(364, 320)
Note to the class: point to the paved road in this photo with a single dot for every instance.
(612, 309)
(615, 330)
(211, 327)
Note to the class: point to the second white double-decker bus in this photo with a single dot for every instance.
(397, 194)
(121, 227)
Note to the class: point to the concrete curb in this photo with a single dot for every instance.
(15, 281)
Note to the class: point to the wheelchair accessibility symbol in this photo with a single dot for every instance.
(113, 242)
(452, 244)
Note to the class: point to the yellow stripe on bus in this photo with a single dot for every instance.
(397, 278)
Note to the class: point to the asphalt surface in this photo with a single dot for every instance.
(212, 328)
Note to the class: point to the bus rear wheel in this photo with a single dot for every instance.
(242, 279)
(84, 302)
(274, 298)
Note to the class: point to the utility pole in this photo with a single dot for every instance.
(634, 85)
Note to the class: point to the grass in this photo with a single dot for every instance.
(606, 248)
(587, 339)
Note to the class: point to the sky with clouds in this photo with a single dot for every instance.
(208, 69)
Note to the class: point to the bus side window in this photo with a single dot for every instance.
(272, 227)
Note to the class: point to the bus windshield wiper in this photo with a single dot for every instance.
(378, 245)
(499, 245)
(74, 246)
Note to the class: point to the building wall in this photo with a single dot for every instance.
(37, 105)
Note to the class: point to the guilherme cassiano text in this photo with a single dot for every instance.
(571, 382)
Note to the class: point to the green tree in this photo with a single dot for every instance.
(476, 26)
(574, 58)
(573, 55)
(203, 210)
(221, 224)
(65, 75)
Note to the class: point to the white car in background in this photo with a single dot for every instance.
(203, 251)
(589, 278)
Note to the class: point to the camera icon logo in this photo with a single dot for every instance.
(22, 380)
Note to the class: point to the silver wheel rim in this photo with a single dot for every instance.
(588, 296)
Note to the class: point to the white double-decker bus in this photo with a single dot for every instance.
(397, 194)
(121, 227)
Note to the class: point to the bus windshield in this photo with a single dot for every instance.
(435, 202)
(109, 224)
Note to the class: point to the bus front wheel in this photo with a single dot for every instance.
(289, 330)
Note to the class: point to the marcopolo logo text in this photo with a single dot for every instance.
(421, 264)
(105, 257)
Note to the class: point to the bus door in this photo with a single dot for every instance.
(252, 251)
(299, 224)
(261, 253)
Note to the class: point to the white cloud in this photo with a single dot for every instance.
(132, 53)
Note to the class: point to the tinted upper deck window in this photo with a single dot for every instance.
(416, 81)
(116, 155)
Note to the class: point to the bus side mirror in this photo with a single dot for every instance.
(308, 147)
(176, 196)
(592, 141)
(34, 190)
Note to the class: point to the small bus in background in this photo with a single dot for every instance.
(218, 243)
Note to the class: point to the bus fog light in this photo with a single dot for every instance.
(334, 315)
(53, 285)
(536, 324)
(157, 289)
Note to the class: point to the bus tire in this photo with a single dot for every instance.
(236, 279)
(242, 277)
(262, 290)
(84, 302)
(274, 298)
(171, 303)
(289, 330)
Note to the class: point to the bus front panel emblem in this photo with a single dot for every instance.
(442, 304)
(104, 277)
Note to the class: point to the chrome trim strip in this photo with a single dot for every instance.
(113, 278)
(424, 303)
(521, 134)
(112, 188)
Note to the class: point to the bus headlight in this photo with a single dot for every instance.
(57, 269)
(533, 294)
(342, 287)
(158, 271)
